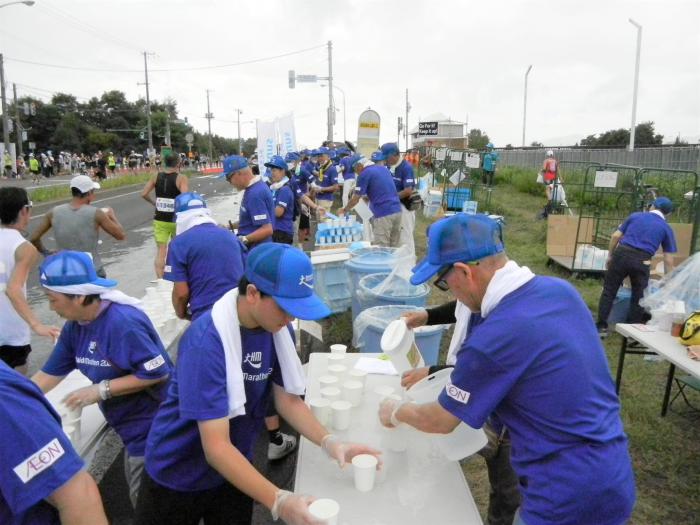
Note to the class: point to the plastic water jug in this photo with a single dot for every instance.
(463, 441)
(399, 344)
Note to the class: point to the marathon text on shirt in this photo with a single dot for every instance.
(91, 362)
(457, 393)
(154, 363)
(262, 376)
(260, 217)
(254, 359)
(39, 461)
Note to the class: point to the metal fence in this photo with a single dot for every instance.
(670, 157)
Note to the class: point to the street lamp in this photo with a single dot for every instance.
(5, 120)
(342, 92)
(636, 84)
(525, 102)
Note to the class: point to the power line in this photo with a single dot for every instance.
(163, 70)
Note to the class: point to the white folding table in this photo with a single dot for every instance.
(417, 486)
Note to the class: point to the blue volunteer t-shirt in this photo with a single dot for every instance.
(376, 183)
(647, 231)
(209, 259)
(197, 392)
(256, 209)
(285, 198)
(120, 342)
(36, 457)
(304, 177)
(403, 176)
(490, 160)
(330, 178)
(537, 364)
(348, 174)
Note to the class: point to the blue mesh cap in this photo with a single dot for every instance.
(286, 274)
(189, 201)
(323, 151)
(67, 268)
(390, 148)
(377, 156)
(292, 156)
(460, 238)
(234, 163)
(663, 204)
(315, 153)
(276, 161)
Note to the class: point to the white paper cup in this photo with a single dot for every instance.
(338, 349)
(321, 408)
(336, 359)
(328, 380)
(338, 371)
(341, 414)
(355, 374)
(331, 393)
(364, 467)
(325, 509)
(381, 392)
(352, 391)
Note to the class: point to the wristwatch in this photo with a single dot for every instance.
(105, 392)
(243, 239)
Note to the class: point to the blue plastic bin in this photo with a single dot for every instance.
(621, 307)
(377, 318)
(401, 292)
(366, 261)
(332, 285)
(455, 197)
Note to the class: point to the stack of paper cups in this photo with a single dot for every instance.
(321, 408)
(364, 467)
(341, 414)
(338, 349)
(331, 393)
(326, 510)
(352, 392)
(355, 374)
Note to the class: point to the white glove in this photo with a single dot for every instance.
(387, 412)
(293, 509)
(343, 452)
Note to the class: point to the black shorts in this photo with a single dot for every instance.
(15, 356)
(223, 505)
(283, 237)
(304, 223)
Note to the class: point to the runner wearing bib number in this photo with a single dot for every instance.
(168, 184)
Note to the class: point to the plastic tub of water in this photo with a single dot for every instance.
(371, 323)
(463, 441)
(365, 261)
(373, 291)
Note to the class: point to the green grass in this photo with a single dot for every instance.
(665, 451)
(63, 192)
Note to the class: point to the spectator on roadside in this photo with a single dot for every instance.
(17, 259)
(76, 225)
(34, 168)
(631, 248)
(557, 398)
(488, 167)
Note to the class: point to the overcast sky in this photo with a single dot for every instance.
(458, 58)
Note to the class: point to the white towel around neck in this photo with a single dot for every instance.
(504, 281)
(191, 218)
(108, 294)
(224, 314)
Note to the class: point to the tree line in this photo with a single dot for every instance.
(110, 123)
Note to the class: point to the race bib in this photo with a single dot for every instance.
(165, 205)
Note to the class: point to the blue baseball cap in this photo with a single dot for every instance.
(323, 151)
(663, 204)
(314, 153)
(276, 161)
(285, 273)
(390, 148)
(292, 156)
(232, 164)
(460, 238)
(377, 156)
(489, 145)
(68, 268)
(189, 201)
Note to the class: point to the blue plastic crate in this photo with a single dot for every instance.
(455, 197)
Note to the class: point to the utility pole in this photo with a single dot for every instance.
(399, 127)
(633, 126)
(209, 116)
(405, 124)
(525, 102)
(18, 124)
(238, 122)
(148, 103)
(331, 107)
(5, 119)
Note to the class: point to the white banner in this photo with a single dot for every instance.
(267, 142)
(288, 138)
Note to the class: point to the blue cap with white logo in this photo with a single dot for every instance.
(70, 268)
(276, 161)
(390, 148)
(292, 156)
(377, 156)
(234, 163)
(189, 201)
(285, 273)
(460, 238)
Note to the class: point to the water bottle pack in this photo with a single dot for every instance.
(338, 230)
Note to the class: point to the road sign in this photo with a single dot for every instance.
(189, 138)
(307, 78)
(32, 145)
(427, 128)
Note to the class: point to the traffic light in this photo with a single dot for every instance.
(292, 79)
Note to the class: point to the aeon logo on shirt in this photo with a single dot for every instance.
(39, 461)
(254, 359)
(457, 393)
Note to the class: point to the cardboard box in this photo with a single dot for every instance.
(561, 234)
(684, 236)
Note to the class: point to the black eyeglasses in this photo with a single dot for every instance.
(441, 279)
